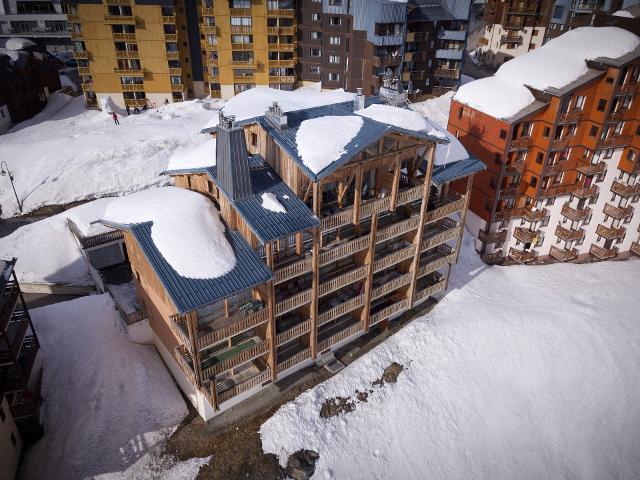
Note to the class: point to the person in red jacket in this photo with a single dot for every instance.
(114, 115)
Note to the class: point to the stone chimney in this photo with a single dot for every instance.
(358, 102)
(232, 161)
(276, 116)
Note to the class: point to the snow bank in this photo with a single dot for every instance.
(623, 13)
(70, 154)
(435, 109)
(495, 96)
(496, 384)
(398, 117)
(18, 43)
(256, 101)
(108, 402)
(322, 140)
(271, 202)
(186, 229)
(198, 156)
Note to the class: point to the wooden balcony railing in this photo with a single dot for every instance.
(259, 379)
(339, 219)
(586, 192)
(340, 310)
(452, 73)
(388, 311)
(207, 11)
(132, 87)
(493, 237)
(610, 233)
(235, 325)
(342, 280)
(615, 141)
(293, 302)
(127, 37)
(516, 39)
(129, 19)
(391, 285)
(522, 256)
(410, 194)
(559, 143)
(282, 63)
(375, 206)
(603, 253)
(81, 55)
(569, 235)
(525, 235)
(169, 19)
(292, 270)
(135, 72)
(440, 238)
(294, 332)
(397, 229)
(520, 143)
(344, 250)
(282, 79)
(183, 357)
(294, 360)
(592, 168)
(436, 264)
(281, 12)
(430, 290)
(563, 255)
(625, 190)
(635, 248)
(8, 303)
(618, 212)
(209, 29)
(629, 87)
(127, 54)
(444, 210)
(493, 258)
(575, 214)
(241, 357)
(338, 337)
(393, 258)
(570, 117)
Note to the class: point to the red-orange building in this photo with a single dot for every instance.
(561, 142)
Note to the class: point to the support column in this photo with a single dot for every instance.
(423, 212)
(192, 328)
(368, 286)
(357, 200)
(463, 216)
(315, 288)
(396, 184)
(271, 305)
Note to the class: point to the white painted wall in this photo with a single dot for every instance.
(9, 454)
(494, 52)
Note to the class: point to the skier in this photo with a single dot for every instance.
(128, 110)
(114, 115)
(166, 101)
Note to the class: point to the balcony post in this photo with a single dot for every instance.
(213, 392)
(463, 216)
(365, 316)
(396, 184)
(415, 266)
(192, 327)
(358, 196)
(271, 305)
(315, 286)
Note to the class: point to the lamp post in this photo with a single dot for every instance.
(4, 170)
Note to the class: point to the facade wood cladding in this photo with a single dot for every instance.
(569, 166)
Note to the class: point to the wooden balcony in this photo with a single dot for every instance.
(391, 285)
(610, 233)
(125, 37)
(339, 219)
(514, 167)
(635, 248)
(84, 71)
(397, 229)
(76, 35)
(625, 190)
(344, 250)
(453, 73)
(224, 328)
(569, 235)
(615, 141)
(207, 11)
(294, 332)
(136, 102)
(629, 87)
(441, 237)
(173, 55)
(551, 169)
(508, 191)
(292, 270)
(282, 79)
(259, 379)
(603, 253)
(493, 237)
(533, 215)
(585, 192)
(431, 290)
(294, 360)
(282, 63)
(388, 311)
(570, 117)
(119, 19)
(444, 256)
(169, 19)
(410, 194)
(375, 206)
(343, 280)
(525, 235)
(170, 37)
(493, 258)
(81, 55)
(557, 190)
(559, 143)
(562, 254)
(241, 29)
(393, 258)
(338, 337)
(282, 31)
(87, 87)
(575, 214)
(341, 309)
(451, 205)
(244, 79)
(184, 359)
(592, 168)
(522, 256)
(618, 212)
(242, 356)
(73, 18)
(293, 302)
(520, 143)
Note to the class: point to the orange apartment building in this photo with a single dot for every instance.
(562, 181)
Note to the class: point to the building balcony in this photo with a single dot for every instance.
(132, 87)
(245, 351)
(414, 76)
(281, 12)
(627, 88)
(586, 192)
(514, 167)
(559, 143)
(520, 143)
(439, 232)
(73, 18)
(585, 7)
(533, 215)
(517, 24)
(443, 207)
(296, 331)
(436, 258)
(87, 87)
(282, 63)
(493, 237)
(569, 235)
(8, 302)
(602, 253)
(390, 60)
(282, 47)
(237, 384)
(240, 321)
(493, 258)
(242, 46)
(281, 31)
(592, 168)
(453, 73)
(337, 333)
(126, 72)
(207, 11)
(400, 252)
(293, 360)
(618, 212)
(570, 117)
(610, 233)
(525, 235)
(551, 169)
(169, 19)
(241, 29)
(76, 35)
(377, 315)
(615, 141)
(414, 56)
(127, 54)
(389, 282)
(26, 360)
(127, 37)
(170, 37)
(136, 102)
(332, 308)
(173, 55)
(562, 254)
(429, 285)
(635, 248)
(81, 55)
(511, 39)
(508, 191)
(523, 256)
(342, 280)
(293, 270)
(119, 19)
(417, 37)
(625, 190)
(522, 9)
(293, 302)
(282, 79)
(175, 71)
(177, 87)
(575, 214)
(209, 30)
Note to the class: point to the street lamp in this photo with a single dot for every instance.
(4, 170)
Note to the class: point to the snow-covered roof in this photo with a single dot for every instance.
(400, 117)
(18, 43)
(193, 157)
(553, 66)
(623, 13)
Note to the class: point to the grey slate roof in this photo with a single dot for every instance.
(189, 293)
(456, 170)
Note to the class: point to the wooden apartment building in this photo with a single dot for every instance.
(367, 237)
(562, 180)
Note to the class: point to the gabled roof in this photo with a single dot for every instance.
(189, 294)
(453, 171)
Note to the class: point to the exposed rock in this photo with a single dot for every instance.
(302, 464)
(336, 406)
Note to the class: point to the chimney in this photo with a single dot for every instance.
(358, 102)
(232, 161)
(276, 116)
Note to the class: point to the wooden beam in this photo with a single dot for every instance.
(299, 243)
(315, 286)
(423, 212)
(308, 192)
(395, 186)
(317, 198)
(358, 196)
(368, 286)
(463, 215)
(213, 392)
(192, 329)
(271, 305)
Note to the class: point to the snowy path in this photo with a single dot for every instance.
(519, 372)
(108, 401)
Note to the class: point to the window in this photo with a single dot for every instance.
(314, 69)
(254, 139)
(334, 40)
(503, 134)
(594, 131)
(533, 181)
(316, 17)
(573, 128)
(540, 158)
(242, 39)
(546, 132)
(241, 21)
(460, 112)
(334, 77)
(335, 21)
(558, 11)
(315, 52)
(487, 205)
(526, 129)
(334, 59)
(315, 35)
(579, 102)
(497, 160)
(602, 104)
(609, 80)
(335, 3)
(631, 155)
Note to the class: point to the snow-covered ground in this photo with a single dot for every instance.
(109, 403)
(519, 372)
(66, 153)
